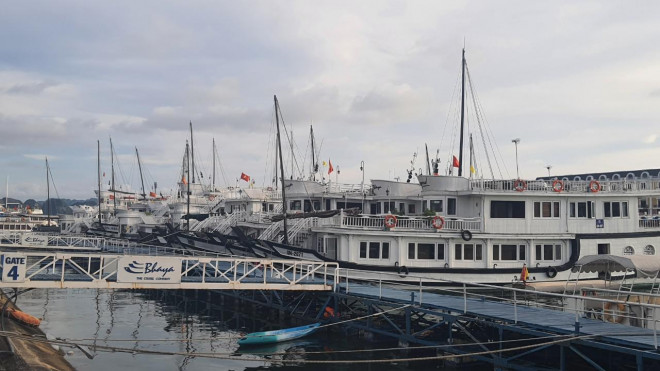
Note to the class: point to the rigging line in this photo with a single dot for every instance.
(222, 168)
(450, 110)
(53, 182)
(480, 126)
(308, 361)
(490, 137)
(267, 163)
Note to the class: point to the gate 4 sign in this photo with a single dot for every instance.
(149, 269)
(13, 267)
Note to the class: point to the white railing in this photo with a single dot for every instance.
(272, 231)
(649, 223)
(474, 294)
(403, 223)
(566, 186)
(64, 270)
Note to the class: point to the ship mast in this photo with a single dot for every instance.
(144, 193)
(48, 190)
(192, 156)
(98, 171)
(188, 187)
(114, 192)
(279, 147)
(460, 151)
(214, 152)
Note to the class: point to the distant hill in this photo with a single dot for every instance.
(57, 205)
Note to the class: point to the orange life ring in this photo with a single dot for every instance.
(390, 221)
(557, 185)
(520, 185)
(24, 317)
(610, 315)
(438, 222)
(594, 186)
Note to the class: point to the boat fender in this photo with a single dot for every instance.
(551, 272)
(403, 271)
(466, 235)
(520, 185)
(557, 185)
(438, 222)
(390, 221)
(25, 318)
(610, 315)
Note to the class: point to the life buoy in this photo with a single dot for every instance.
(390, 221)
(594, 186)
(438, 222)
(403, 271)
(611, 315)
(551, 272)
(24, 317)
(520, 185)
(557, 185)
(466, 235)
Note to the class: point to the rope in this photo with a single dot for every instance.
(342, 361)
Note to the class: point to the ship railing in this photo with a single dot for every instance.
(474, 295)
(377, 222)
(649, 222)
(272, 231)
(347, 188)
(566, 186)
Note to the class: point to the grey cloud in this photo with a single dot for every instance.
(33, 88)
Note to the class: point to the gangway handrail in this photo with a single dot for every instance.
(343, 274)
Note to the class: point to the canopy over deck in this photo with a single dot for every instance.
(644, 265)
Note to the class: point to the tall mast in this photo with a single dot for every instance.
(276, 153)
(214, 153)
(460, 151)
(314, 167)
(144, 193)
(292, 170)
(428, 162)
(192, 156)
(114, 192)
(188, 187)
(98, 171)
(48, 191)
(471, 155)
(279, 145)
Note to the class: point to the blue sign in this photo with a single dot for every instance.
(600, 223)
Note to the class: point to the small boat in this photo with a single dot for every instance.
(276, 336)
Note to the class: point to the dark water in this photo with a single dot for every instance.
(165, 322)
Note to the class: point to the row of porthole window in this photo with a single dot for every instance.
(629, 176)
(648, 250)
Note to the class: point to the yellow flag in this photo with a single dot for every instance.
(473, 170)
(324, 163)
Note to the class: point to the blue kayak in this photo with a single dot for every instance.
(276, 336)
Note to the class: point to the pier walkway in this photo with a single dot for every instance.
(139, 271)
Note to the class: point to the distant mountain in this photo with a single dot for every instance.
(57, 205)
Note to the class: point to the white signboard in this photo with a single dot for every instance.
(33, 240)
(13, 267)
(149, 269)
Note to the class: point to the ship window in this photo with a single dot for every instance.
(548, 252)
(296, 205)
(509, 252)
(374, 250)
(603, 248)
(546, 209)
(468, 251)
(582, 209)
(436, 205)
(615, 209)
(411, 209)
(451, 206)
(426, 251)
(363, 250)
(628, 250)
(375, 208)
(507, 209)
(649, 250)
(385, 250)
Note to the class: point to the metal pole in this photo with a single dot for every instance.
(464, 299)
(362, 186)
(516, 141)
(515, 308)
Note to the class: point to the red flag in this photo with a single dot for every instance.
(524, 275)
(330, 169)
(183, 180)
(456, 164)
(104, 174)
(152, 194)
(245, 177)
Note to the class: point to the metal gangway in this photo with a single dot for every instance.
(138, 271)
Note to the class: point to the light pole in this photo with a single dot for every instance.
(548, 167)
(362, 186)
(516, 141)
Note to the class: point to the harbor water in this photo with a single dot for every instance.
(170, 330)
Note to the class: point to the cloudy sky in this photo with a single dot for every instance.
(578, 82)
